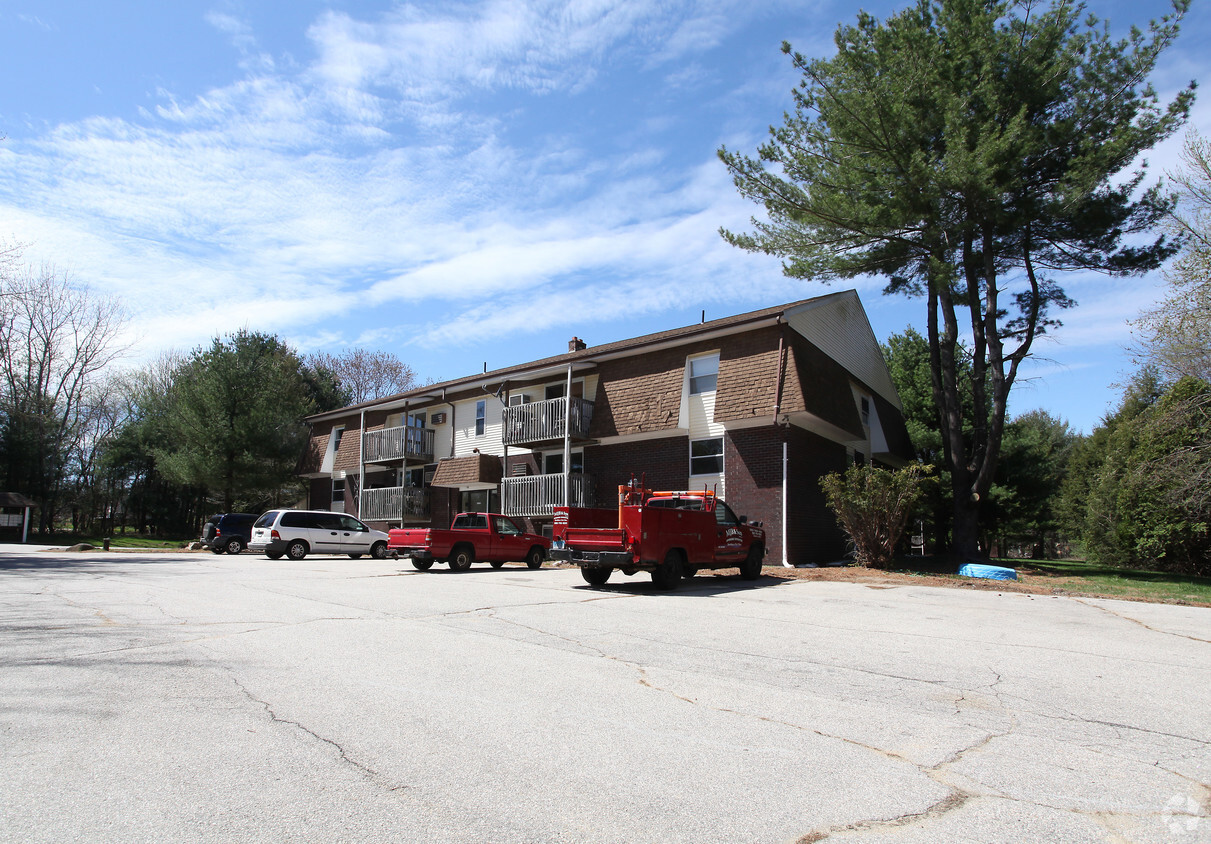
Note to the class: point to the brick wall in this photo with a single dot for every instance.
(813, 534)
(753, 462)
(665, 463)
(443, 506)
(319, 494)
(752, 459)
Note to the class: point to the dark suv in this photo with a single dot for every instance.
(228, 532)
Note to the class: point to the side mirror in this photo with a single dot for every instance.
(744, 520)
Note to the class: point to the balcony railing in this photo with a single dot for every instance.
(544, 420)
(393, 504)
(398, 444)
(539, 495)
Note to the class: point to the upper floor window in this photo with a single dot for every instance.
(481, 409)
(704, 372)
(865, 410)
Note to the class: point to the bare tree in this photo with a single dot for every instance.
(56, 338)
(367, 375)
(1175, 335)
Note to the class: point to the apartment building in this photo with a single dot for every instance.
(757, 406)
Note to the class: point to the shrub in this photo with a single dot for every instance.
(873, 507)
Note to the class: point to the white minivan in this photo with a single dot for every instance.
(297, 533)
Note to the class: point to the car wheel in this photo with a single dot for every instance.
(297, 550)
(496, 563)
(274, 555)
(216, 549)
(750, 569)
(421, 565)
(234, 545)
(461, 558)
(379, 550)
(668, 574)
(536, 558)
(596, 576)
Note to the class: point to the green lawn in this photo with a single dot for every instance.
(129, 540)
(1078, 576)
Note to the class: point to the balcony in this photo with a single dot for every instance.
(404, 443)
(543, 421)
(539, 495)
(394, 504)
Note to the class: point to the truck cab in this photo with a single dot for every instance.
(670, 534)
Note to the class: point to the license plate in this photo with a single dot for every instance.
(590, 556)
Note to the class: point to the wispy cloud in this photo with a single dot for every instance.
(392, 189)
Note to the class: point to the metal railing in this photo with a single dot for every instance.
(393, 503)
(539, 495)
(544, 420)
(398, 443)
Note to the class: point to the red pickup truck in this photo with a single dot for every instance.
(670, 534)
(490, 537)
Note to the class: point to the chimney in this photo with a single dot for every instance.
(576, 344)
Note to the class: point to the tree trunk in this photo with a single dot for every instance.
(965, 536)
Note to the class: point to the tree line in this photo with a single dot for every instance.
(158, 448)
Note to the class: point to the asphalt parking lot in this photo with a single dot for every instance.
(194, 697)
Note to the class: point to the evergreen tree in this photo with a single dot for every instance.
(233, 420)
(965, 152)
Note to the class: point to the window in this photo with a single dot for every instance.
(865, 410)
(479, 501)
(724, 517)
(324, 521)
(350, 523)
(507, 527)
(480, 410)
(266, 520)
(704, 372)
(296, 520)
(337, 433)
(552, 463)
(706, 456)
(338, 491)
(471, 520)
(555, 391)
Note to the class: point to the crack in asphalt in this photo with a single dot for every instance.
(955, 798)
(1109, 611)
(370, 774)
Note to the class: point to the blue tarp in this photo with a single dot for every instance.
(987, 572)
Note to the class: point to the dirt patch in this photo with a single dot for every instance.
(1028, 584)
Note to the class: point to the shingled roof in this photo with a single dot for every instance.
(675, 335)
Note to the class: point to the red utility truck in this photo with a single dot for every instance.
(490, 537)
(670, 534)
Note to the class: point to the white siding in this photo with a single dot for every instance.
(465, 439)
(701, 413)
(838, 326)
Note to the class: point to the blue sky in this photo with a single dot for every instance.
(459, 183)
